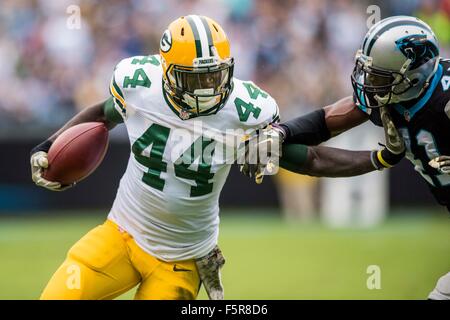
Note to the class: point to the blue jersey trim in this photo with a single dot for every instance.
(421, 103)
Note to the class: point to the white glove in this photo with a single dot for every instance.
(441, 163)
(267, 144)
(39, 162)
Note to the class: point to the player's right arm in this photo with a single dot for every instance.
(110, 112)
(100, 112)
(320, 125)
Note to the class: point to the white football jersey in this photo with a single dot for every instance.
(168, 198)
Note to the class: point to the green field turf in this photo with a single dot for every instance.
(266, 257)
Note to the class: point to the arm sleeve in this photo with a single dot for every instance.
(294, 157)
(310, 129)
(111, 112)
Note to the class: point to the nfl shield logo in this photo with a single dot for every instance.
(184, 115)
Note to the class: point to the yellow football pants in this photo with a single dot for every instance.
(107, 262)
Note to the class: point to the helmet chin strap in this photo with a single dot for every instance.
(204, 103)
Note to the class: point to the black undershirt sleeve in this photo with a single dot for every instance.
(310, 129)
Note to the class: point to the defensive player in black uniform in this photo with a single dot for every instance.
(397, 68)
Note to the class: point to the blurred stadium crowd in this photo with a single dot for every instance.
(301, 51)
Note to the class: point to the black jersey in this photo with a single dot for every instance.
(424, 124)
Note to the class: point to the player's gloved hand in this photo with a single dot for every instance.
(262, 153)
(39, 162)
(394, 150)
(441, 163)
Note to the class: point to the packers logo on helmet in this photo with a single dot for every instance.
(166, 41)
(197, 66)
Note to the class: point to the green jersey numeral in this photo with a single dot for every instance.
(139, 79)
(245, 109)
(156, 136)
(203, 174)
(148, 59)
(254, 91)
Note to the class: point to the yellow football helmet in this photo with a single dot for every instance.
(197, 66)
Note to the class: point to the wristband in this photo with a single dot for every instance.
(384, 158)
(376, 164)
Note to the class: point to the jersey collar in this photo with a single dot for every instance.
(409, 113)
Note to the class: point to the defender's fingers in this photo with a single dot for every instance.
(442, 158)
(439, 162)
(444, 163)
(434, 163)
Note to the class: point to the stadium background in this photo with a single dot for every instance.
(299, 51)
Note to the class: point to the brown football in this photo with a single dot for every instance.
(77, 152)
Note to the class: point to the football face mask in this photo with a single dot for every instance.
(202, 90)
(375, 87)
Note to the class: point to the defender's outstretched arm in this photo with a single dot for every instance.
(320, 125)
(333, 162)
(328, 162)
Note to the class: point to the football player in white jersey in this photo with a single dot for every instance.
(180, 108)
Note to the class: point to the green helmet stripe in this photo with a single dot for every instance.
(208, 34)
(198, 45)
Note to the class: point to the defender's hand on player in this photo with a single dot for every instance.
(441, 163)
(394, 150)
(394, 142)
(262, 153)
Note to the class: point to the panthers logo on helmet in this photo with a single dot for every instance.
(417, 47)
(166, 41)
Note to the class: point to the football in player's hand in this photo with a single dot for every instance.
(77, 152)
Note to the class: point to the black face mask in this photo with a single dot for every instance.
(370, 82)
